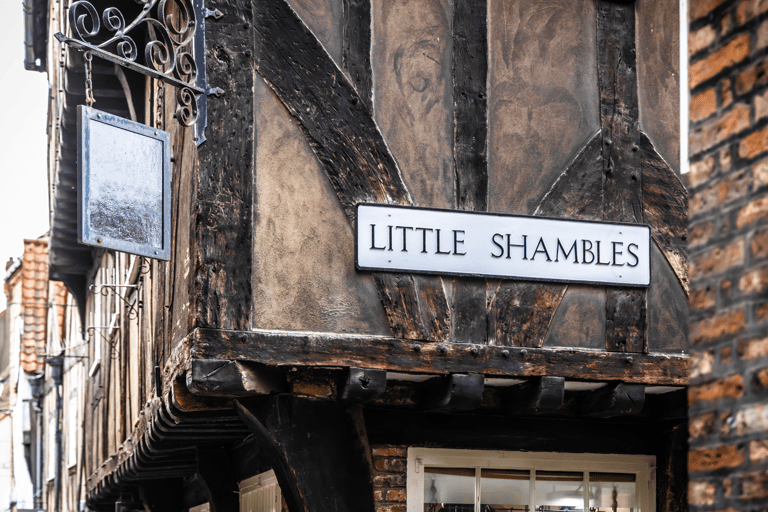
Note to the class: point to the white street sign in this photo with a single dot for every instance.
(420, 240)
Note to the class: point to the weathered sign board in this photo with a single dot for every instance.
(424, 240)
(124, 193)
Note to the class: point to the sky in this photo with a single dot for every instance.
(23, 141)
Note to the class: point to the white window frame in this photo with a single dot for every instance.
(642, 466)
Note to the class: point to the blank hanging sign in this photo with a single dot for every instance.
(124, 192)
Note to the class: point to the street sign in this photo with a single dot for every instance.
(421, 240)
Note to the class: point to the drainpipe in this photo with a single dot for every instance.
(37, 386)
(57, 363)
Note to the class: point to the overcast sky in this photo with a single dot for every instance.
(23, 143)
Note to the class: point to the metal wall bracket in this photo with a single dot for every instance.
(173, 53)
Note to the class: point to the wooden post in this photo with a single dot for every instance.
(317, 451)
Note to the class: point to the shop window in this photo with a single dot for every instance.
(260, 494)
(482, 481)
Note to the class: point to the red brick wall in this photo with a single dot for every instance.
(389, 468)
(728, 244)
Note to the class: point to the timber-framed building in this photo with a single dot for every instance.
(260, 369)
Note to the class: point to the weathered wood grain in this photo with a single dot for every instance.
(348, 144)
(233, 378)
(579, 320)
(223, 235)
(299, 436)
(625, 319)
(520, 313)
(319, 350)
(540, 395)
(578, 192)
(623, 178)
(665, 209)
(356, 47)
(452, 393)
(360, 385)
(470, 97)
(614, 400)
(469, 312)
(667, 308)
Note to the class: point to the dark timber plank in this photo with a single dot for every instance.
(617, 83)
(469, 317)
(223, 231)
(455, 392)
(541, 395)
(613, 400)
(470, 73)
(299, 436)
(359, 385)
(276, 348)
(520, 312)
(356, 47)
(233, 378)
(665, 209)
(351, 149)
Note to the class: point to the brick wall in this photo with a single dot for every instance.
(728, 244)
(389, 468)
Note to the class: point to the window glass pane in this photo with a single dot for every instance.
(559, 491)
(449, 490)
(503, 490)
(612, 492)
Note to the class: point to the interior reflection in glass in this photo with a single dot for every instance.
(449, 490)
(614, 492)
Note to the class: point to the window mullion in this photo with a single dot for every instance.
(532, 492)
(478, 472)
(586, 491)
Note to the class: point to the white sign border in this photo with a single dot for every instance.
(497, 276)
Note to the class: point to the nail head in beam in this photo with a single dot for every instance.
(456, 392)
(360, 385)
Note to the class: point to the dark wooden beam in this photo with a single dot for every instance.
(222, 240)
(455, 392)
(622, 184)
(185, 401)
(341, 131)
(215, 469)
(536, 396)
(301, 435)
(356, 47)
(617, 399)
(214, 377)
(360, 385)
(320, 350)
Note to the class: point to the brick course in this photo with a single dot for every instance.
(728, 251)
(389, 469)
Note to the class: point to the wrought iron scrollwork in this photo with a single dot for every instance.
(169, 27)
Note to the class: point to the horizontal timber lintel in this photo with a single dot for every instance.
(282, 348)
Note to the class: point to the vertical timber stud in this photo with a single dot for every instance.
(222, 223)
(469, 318)
(356, 47)
(617, 83)
(299, 436)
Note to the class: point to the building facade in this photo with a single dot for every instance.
(265, 366)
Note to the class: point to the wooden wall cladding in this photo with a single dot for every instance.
(514, 107)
